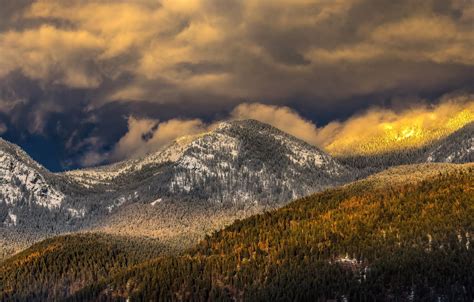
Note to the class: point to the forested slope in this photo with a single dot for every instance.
(376, 239)
(57, 267)
(363, 241)
(237, 169)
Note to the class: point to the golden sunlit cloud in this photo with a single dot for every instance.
(31, 52)
(379, 131)
(202, 45)
(419, 39)
(133, 144)
(373, 132)
(281, 117)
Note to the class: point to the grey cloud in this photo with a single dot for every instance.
(88, 65)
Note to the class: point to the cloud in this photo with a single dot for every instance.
(65, 65)
(377, 130)
(280, 117)
(256, 50)
(51, 54)
(147, 135)
(3, 128)
(436, 38)
(93, 158)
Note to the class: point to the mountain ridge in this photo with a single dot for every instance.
(235, 170)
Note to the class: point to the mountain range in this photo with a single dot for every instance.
(166, 202)
(194, 185)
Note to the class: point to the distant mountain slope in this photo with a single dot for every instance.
(458, 147)
(234, 163)
(24, 181)
(403, 234)
(32, 201)
(235, 170)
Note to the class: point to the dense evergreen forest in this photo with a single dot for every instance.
(57, 267)
(364, 241)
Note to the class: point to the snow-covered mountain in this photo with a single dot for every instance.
(242, 166)
(24, 184)
(238, 162)
(192, 186)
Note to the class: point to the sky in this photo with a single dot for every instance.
(85, 82)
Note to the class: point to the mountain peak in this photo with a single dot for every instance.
(249, 124)
(24, 181)
(228, 157)
(19, 154)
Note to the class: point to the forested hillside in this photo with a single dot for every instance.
(58, 267)
(409, 239)
(363, 241)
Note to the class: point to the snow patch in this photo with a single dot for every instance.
(76, 213)
(117, 203)
(12, 217)
(156, 202)
(347, 260)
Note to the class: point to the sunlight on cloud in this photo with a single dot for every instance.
(32, 52)
(148, 135)
(287, 47)
(376, 131)
(419, 39)
(380, 130)
(280, 117)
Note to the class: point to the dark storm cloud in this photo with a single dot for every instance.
(77, 70)
(10, 12)
(195, 46)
